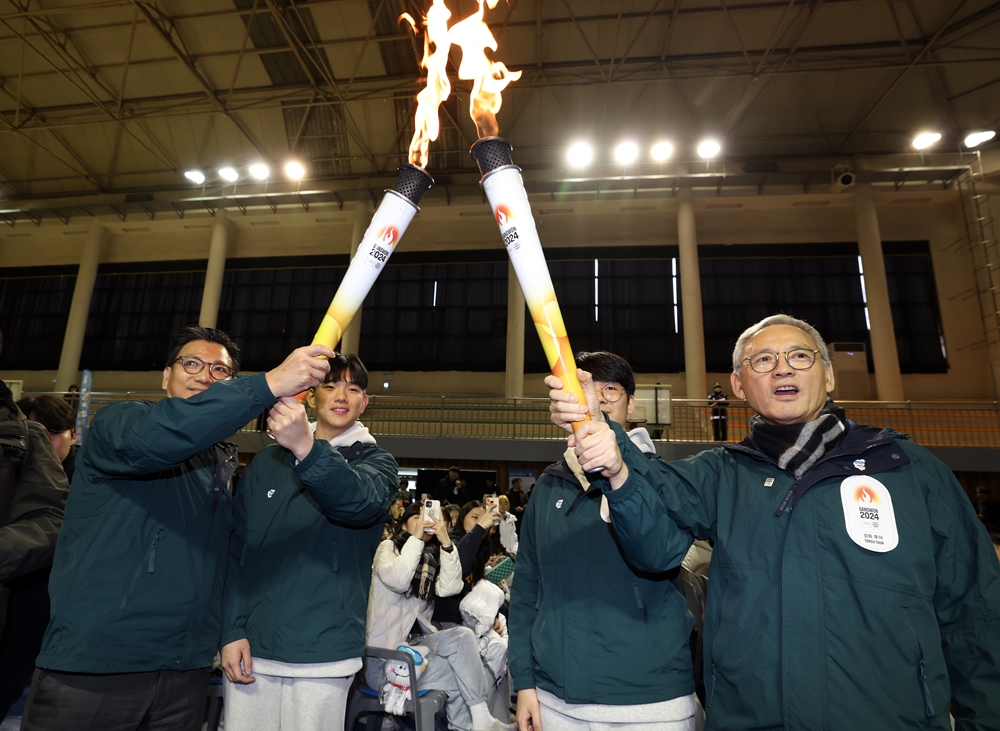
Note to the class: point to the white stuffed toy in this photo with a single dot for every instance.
(396, 682)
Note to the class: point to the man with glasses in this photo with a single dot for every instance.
(593, 640)
(136, 586)
(851, 587)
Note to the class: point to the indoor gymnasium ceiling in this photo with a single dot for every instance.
(108, 99)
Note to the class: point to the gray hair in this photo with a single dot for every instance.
(780, 319)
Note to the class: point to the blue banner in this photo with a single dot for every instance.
(83, 411)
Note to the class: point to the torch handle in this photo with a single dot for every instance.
(505, 190)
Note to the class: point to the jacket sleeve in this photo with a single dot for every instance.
(28, 541)
(662, 506)
(449, 579)
(135, 438)
(234, 607)
(468, 547)
(396, 570)
(966, 599)
(354, 494)
(524, 596)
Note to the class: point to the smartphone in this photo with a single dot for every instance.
(493, 505)
(432, 509)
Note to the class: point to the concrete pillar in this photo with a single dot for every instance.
(694, 329)
(883, 334)
(76, 325)
(351, 339)
(212, 292)
(514, 384)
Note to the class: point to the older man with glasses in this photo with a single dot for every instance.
(852, 586)
(136, 586)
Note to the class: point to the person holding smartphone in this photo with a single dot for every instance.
(412, 569)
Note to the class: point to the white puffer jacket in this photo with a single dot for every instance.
(391, 612)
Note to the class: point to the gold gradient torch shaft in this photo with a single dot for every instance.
(505, 190)
(387, 227)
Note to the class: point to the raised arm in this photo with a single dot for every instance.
(355, 493)
(396, 570)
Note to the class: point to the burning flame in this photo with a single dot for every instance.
(489, 78)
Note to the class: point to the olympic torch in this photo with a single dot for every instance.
(387, 227)
(503, 186)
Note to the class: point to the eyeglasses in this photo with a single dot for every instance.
(612, 393)
(194, 366)
(801, 359)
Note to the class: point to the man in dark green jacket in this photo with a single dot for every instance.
(852, 586)
(136, 586)
(309, 516)
(593, 639)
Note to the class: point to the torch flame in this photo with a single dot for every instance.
(865, 497)
(488, 78)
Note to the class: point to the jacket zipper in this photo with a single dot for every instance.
(638, 595)
(921, 669)
(138, 569)
(711, 688)
(243, 555)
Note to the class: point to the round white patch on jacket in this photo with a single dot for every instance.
(868, 513)
(605, 509)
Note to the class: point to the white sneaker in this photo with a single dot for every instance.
(500, 726)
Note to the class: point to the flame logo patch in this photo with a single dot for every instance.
(866, 497)
(388, 236)
(503, 216)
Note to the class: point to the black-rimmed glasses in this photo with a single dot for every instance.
(194, 365)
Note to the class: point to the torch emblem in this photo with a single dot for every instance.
(389, 236)
(504, 216)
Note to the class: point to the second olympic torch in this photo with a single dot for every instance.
(503, 186)
(387, 227)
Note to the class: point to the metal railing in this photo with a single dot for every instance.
(930, 423)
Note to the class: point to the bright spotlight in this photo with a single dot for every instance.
(195, 176)
(661, 151)
(260, 171)
(626, 152)
(975, 139)
(925, 140)
(229, 174)
(709, 149)
(580, 154)
(294, 170)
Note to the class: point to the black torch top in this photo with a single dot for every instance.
(491, 153)
(412, 182)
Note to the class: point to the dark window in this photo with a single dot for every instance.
(34, 307)
(269, 312)
(630, 312)
(909, 274)
(440, 316)
(742, 285)
(134, 313)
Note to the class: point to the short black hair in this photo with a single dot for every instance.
(51, 412)
(352, 364)
(608, 367)
(190, 333)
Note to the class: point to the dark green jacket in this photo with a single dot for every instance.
(301, 559)
(807, 630)
(33, 491)
(586, 625)
(141, 560)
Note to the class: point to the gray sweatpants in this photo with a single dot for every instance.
(286, 704)
(454, 667)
